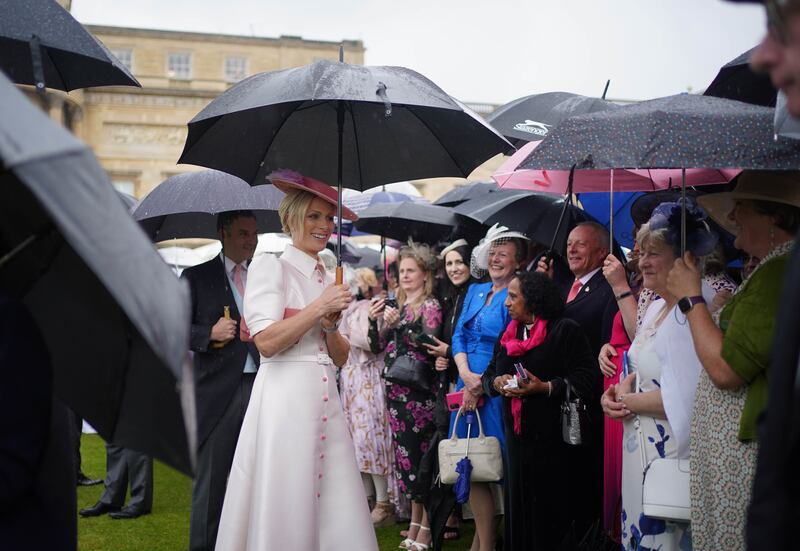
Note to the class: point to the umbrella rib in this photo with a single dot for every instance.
(46, 51)
(449, 154)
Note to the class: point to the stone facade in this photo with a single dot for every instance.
(138, 134)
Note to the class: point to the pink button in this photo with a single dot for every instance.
(317, 494)
(324, 418)
(323, 437)
(324, 398)
(320, 476)
(322, 456)
(321, 349)
(325, 379)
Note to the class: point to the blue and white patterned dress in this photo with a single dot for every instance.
(641, 533)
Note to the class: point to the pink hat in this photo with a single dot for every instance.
(285, 180)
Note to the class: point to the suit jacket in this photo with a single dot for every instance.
(218, 371)
(594, 309)
(774, 510)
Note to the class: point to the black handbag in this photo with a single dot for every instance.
(411, 372)
(574, 418)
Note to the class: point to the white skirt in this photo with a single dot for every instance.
(294, 483)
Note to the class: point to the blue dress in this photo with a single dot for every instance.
(476, 333)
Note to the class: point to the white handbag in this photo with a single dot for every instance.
(483, 451)
(665, 489)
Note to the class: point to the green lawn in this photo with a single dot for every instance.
(167, 529)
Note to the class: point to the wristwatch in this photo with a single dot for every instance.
(687, 303)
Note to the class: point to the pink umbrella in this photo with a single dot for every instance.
(557, 181)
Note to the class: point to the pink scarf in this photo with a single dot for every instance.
(517, 347)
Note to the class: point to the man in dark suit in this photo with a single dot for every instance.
(774, 511)
(591, 303)
(225, 368)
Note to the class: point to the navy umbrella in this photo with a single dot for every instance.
(187, 205)
(468, 191)
(682, 131)
(43, 45)
(736, 80)
(114, 317)
(464, 466)
(532, 118)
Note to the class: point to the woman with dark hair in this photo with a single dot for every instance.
(551, 350)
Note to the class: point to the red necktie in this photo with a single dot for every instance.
(244, 333)
(574, 290)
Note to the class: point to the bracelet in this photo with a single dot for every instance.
(331, 329)
(626, 294)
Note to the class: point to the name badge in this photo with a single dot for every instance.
(324, 359)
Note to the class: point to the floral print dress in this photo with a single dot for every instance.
(410, 411)
(639, 532)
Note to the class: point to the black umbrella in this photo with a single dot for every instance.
(186, 205)
(537, 215)
(350, 253)
(115, 318)
(417, 221)
(42, 44)
(468, 191)
(736, 80)
(370, 258)
(682, 131)
(358, 126)
(532, 118)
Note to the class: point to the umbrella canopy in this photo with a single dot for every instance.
(401, 221)
(468, 191)
(533, 117)
(350, 253)
(510, 176)
(357, 203)
(187, 205)
(114, 316)
(736, 80)
(682, 131)
(42, 43)
(396, 125)
(536, 215)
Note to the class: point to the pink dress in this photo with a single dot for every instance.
(612, 446)
(294, 483)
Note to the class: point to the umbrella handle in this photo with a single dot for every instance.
(339, 275)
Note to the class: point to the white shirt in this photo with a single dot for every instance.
(585, 279)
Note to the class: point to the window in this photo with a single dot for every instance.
(179, 66)
(125, 57)
(235, 68)
(125, 186)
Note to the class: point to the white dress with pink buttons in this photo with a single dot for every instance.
(294, 483)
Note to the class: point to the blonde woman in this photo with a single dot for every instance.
(294, 483)
(401, 330)
(364, 401)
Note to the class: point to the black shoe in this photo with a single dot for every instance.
(84, 480)
(97, 509)
(128, 512)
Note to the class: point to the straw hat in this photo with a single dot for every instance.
(285, 180)
(757, 185)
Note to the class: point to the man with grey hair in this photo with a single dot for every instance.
(591, 303)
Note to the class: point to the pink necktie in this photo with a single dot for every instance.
(244, 333)
(574, 290)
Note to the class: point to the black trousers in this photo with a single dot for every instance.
(124, 466)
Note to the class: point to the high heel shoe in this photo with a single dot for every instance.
(417, 546)
(408, 542)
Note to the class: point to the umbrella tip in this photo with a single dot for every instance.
(605, 90)
(341, 52)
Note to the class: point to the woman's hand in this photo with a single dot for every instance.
(533, 386)
(334, 299)
(607, 367)
(470, 400)
(472, 382)
(376, 306)
(500, 382)
(439, 350)
(615, 274)
(613, 408)
(391, 316)
(442, 364)
(683, 279)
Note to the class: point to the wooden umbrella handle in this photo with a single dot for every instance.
(339, 275)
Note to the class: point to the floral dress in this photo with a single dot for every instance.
(640, 532)
(410, 411)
